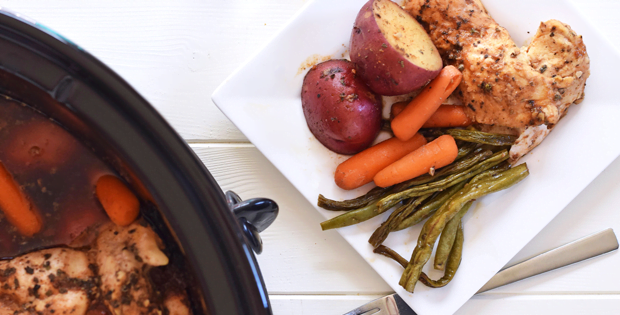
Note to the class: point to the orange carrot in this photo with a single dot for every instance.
(121, 205)
(420, 109)
(444, 116)
(362, 167)
(16, 207)
(438, 153)
(448, 116)
(397, 108)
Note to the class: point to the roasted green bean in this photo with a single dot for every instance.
(454, 261)
(493, 172)
(382, 232)
(448, 235)
(482, 137)
(430, 207)
(465, 149)
(439, 185)
(351, 217)
(390, 253)
(352, 204)
(379, 192)
(436, 223)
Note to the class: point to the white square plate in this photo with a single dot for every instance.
(262, 99)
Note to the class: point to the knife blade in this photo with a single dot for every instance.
(578, 250)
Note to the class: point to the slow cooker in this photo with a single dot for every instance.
(216, 233)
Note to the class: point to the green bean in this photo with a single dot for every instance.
(476, 155)
(448, 235)
(352, 204)
(436, 223)
(351, 217)
(482, 137)
(465, 149)
(454, 261)
(439, 185)
(371, 209)
(492, 172)
(390, 253)
(430, 207)
(382, 232)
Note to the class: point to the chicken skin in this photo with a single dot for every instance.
(523, 91)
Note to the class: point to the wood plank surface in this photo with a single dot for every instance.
(479, 305)
(298, 258)
(176, 53)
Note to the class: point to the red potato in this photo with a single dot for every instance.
(393, 53)
(340, 110)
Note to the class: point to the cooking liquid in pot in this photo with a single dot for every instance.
(55, 171)
(58, 174)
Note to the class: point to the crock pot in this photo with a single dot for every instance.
(217, 233)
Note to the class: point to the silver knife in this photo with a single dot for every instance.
(584, 248)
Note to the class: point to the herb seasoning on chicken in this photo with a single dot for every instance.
(507, 89)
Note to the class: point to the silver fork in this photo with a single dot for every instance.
(387, 305)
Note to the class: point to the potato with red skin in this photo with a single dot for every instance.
(340, 110)
(393, 53)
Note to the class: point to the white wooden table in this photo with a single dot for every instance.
(176, 53)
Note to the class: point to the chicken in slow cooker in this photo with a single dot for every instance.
(110, 277)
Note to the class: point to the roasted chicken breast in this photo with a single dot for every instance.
(524, 91)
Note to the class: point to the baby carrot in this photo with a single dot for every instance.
(16, 207)
(362, 167)
(121, 205)
(420, 109)
(397, 108)
(448, 116)
(436, 154)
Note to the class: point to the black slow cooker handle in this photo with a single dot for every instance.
(254, 215)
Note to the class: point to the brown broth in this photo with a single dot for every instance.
(55, 171)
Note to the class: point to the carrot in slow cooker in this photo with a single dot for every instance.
(362, 167)
(448, 116)
(16, 207)
(420, 109)
(121, 205)
(436, 154)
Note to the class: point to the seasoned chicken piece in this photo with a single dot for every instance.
(525, 89)
(52, 281)
(177, 304)
(123, 256)
(113, 277)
